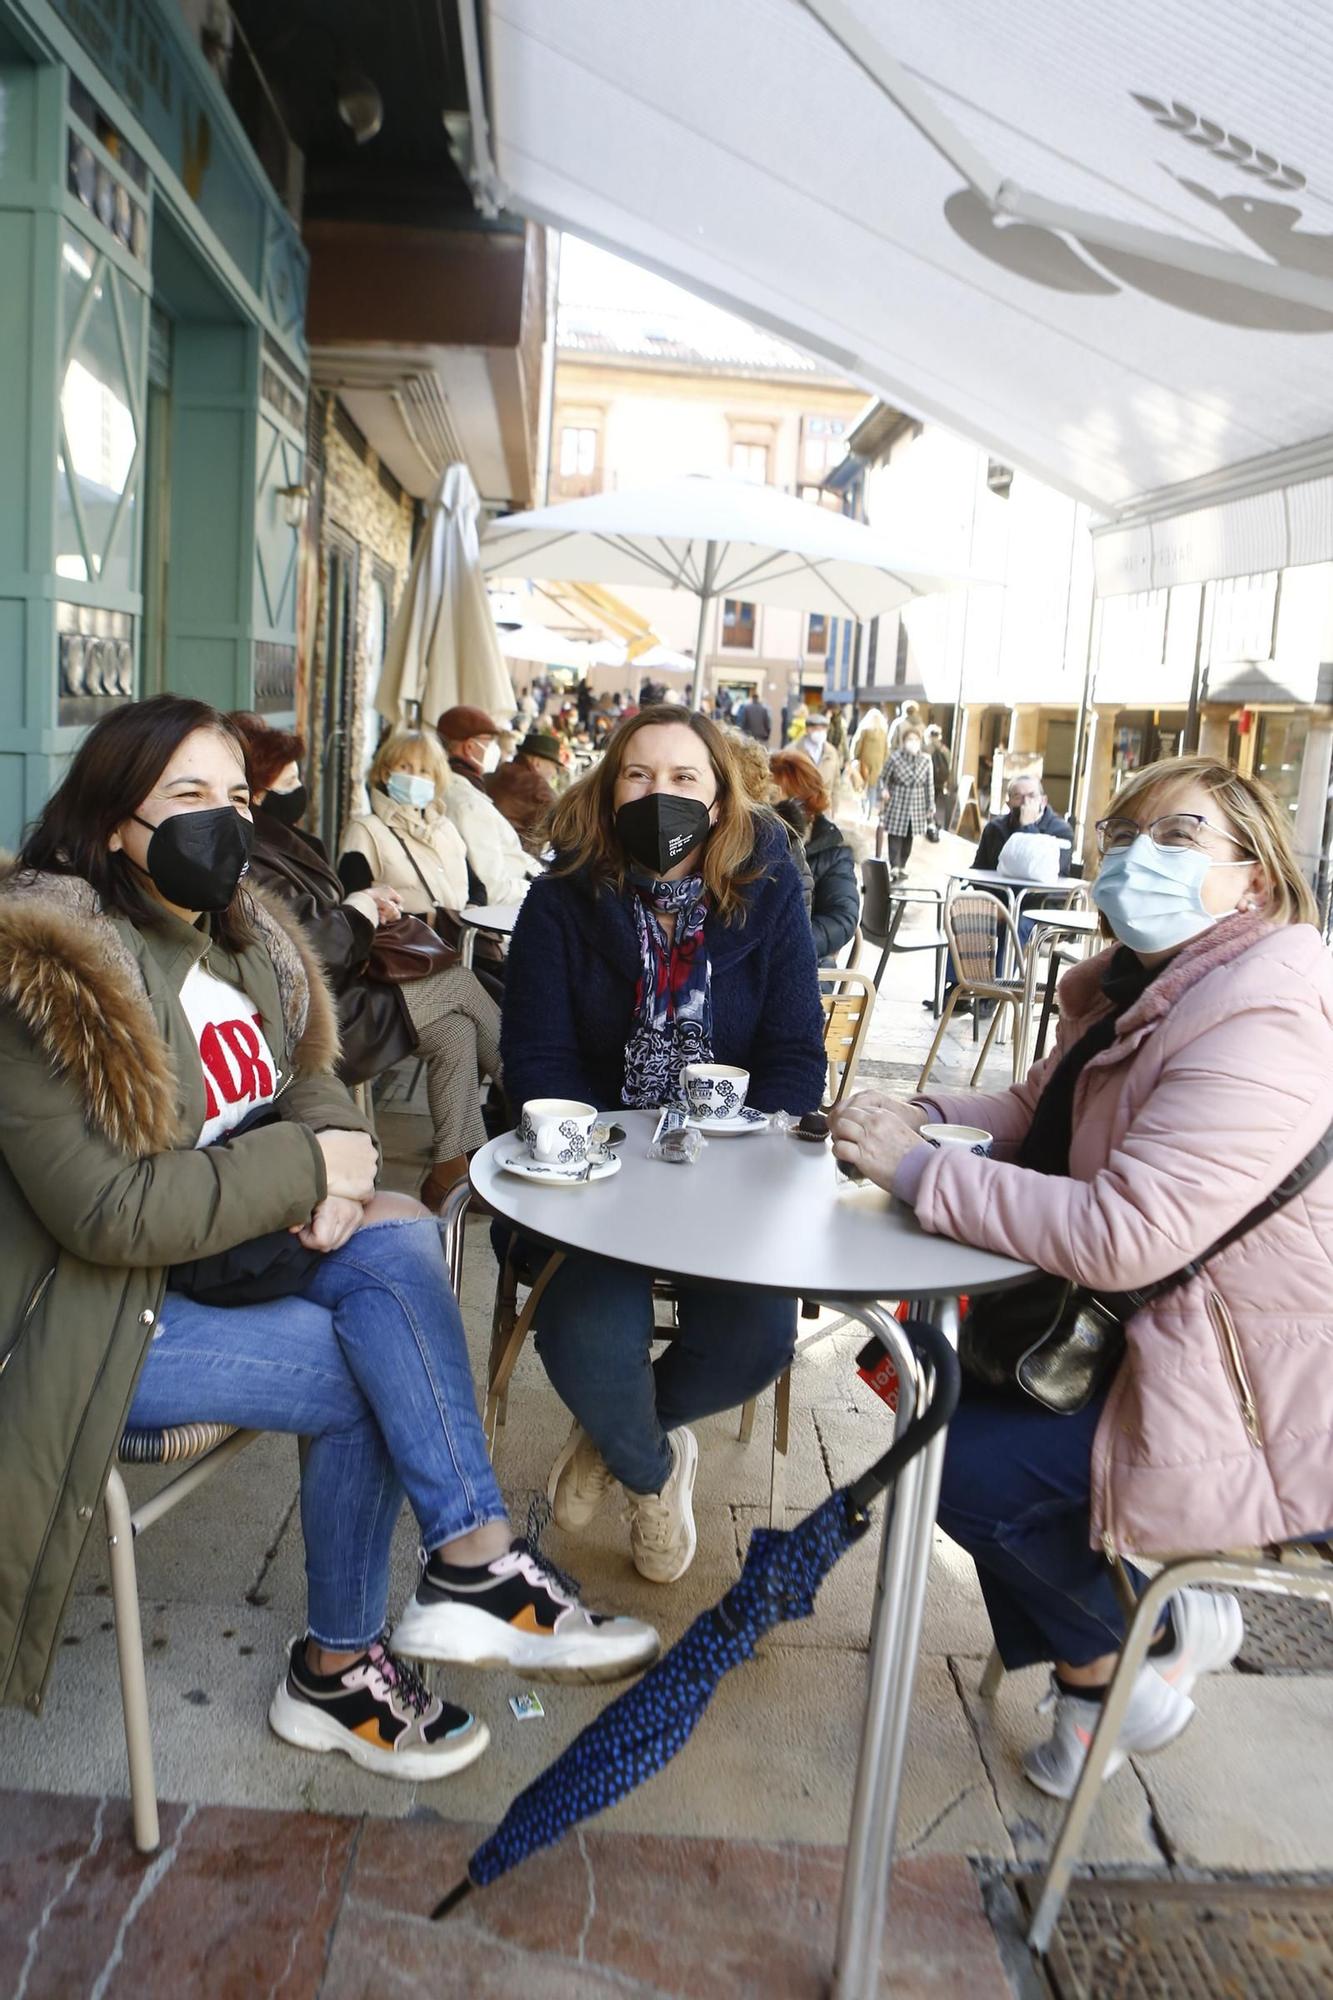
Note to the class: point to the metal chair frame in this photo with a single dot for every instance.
(1302, 1569)
(204, 1449)
(986, 914)
(848, 1000)
(883, 912)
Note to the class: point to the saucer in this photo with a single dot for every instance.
(744, 1120)
(547, 1174)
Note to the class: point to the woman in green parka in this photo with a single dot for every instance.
(192, 1234)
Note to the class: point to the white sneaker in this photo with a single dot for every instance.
(662, 1534)
(580, 1481)
(1156, 1715)
(1209, 1632)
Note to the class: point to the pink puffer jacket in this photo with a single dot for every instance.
(1218, 1431)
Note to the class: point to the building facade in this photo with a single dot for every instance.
(642, 397)
(153, 399)
(1034, 663)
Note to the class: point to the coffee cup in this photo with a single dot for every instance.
(970, 1137)
(557, 1130)
(714, 1090)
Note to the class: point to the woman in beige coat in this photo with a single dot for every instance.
(409, 843)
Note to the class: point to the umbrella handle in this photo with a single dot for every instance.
(453, 1899)
(925, 1423)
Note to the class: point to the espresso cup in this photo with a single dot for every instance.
(714, 1090)
(557, 1130)
(970, 1137)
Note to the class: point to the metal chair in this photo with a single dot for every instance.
(1298, 1569)
(975, 924)
(204, 1449)
(848, 1000)
(883, 911)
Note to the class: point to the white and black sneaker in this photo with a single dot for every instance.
(518, 1611)
(379, 1712)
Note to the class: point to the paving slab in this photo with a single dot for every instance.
(1247, 1785)
(608, 1916)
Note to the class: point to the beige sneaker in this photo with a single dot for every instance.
(580, 1481)
(662, 1535)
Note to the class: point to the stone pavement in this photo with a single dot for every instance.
(322, 1890)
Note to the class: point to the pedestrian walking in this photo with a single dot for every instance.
(870, 749)
(909, 804)
(755, 720)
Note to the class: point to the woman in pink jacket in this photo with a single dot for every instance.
(1193, 1071)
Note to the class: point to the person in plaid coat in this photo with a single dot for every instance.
(909, 800)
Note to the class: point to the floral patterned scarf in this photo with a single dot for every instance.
(673, 1002)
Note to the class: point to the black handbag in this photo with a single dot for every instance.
(272, 1266)
(1060, 1343)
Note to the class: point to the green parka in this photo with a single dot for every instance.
(101, 1190)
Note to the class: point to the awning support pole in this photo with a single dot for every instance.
(705, 599)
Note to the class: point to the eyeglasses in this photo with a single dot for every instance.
(1173, 830)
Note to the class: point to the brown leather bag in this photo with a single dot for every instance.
(406, 949)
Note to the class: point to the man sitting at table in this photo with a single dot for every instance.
(1029, 812)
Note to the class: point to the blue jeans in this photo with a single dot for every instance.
(1016, 1495)
(1025, 928)
(594, 1335)
(370, 1363)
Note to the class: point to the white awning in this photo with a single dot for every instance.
(1099, 241)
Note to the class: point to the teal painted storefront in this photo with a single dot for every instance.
(152, 386)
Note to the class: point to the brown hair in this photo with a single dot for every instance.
(1258, 821)
(583, 830)
(799, 777)
(752, 767)
(112, 772)
(267, 751)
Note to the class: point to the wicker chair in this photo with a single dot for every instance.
(1300, 1569)
(202, 1449)
(975, 924)
(848, 1000)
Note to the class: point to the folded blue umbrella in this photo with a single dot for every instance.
(642, 1730)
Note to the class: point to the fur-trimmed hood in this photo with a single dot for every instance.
(69, 976)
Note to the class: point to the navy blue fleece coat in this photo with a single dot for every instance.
(574, 966)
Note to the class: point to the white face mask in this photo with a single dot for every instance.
(490, 757)
(1152, 897)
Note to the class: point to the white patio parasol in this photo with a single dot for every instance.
(540, 646)
(716, 538)
(443, 647)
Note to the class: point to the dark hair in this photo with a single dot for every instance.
(113, 771)
(267, 751)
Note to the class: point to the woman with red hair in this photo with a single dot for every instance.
(836, 908)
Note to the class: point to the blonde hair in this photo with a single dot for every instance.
(1250, 809)
(753, 766)
(583, 829)
(390, 755)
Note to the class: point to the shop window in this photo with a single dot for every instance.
(750, 461)
(738, 624)
(98, 457)
(1278, 755)
(578, 451)
(816, 637)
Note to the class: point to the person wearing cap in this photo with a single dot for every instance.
(814, 744)
(524, 791)
(495, 853)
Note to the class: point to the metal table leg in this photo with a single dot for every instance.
(900, 1595)
(467, 944)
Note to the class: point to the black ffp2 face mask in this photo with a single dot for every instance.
(661, 830)
(287, 807)
(197, 859)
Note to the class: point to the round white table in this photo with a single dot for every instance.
(772, 1213)
(496, 919)
(1058, 923)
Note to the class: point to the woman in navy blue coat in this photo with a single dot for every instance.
(672, 929)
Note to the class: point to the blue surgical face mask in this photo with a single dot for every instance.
(410, 788)
(1152, 896)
